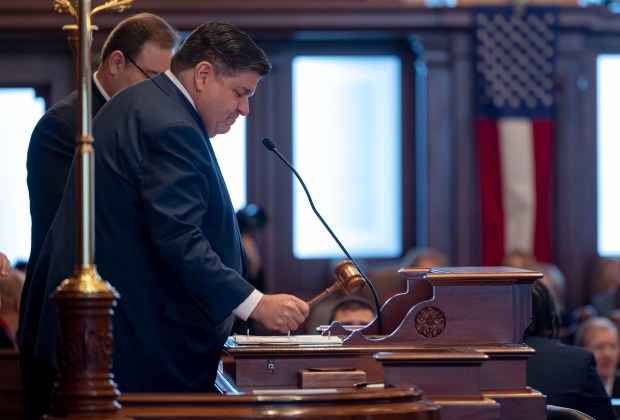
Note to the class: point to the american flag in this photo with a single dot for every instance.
(514, 50)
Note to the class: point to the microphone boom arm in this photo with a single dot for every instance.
(272, 147)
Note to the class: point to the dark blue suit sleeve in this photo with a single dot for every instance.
(191, 221)
(50, 153)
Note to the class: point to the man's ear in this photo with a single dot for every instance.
(115, 62)
(203, 71)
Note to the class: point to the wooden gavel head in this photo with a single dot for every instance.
(347, 278)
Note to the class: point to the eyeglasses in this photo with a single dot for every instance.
(136, 64)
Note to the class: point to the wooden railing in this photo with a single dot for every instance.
(10, 385)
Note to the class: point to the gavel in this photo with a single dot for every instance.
(347, 278)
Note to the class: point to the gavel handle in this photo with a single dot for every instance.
(323, 294)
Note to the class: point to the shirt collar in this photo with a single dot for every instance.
(101, 89)
(609, 386)
(178, 84)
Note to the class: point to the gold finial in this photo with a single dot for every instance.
(64, 6)
(116, 5)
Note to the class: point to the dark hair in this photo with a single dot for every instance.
(130, 35)
(545, 318)
(352, 303)
(227, 49)
(251, 217)
(20, 265)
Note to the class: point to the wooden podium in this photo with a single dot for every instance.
(387, 404)
(456, 334)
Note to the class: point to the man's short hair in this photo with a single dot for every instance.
(352, 303)
(130, 35)
(227, 49)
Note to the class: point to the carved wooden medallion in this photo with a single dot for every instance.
(430, 322)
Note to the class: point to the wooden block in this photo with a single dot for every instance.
(330, 377)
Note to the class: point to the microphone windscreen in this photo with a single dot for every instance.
(269, 144)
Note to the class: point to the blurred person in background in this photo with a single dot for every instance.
(10, 293)
(5, 265)
(604, 283)
(353, 311)
(600, 336)
(566, 374)
(251, 220)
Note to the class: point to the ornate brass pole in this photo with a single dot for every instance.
(85, 388)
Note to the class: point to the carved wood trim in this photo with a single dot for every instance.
(279, 15)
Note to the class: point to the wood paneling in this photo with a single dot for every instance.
(444, 206)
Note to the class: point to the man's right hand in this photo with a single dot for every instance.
(281, 312)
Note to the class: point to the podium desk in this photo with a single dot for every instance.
(455, 328)
(388, 404)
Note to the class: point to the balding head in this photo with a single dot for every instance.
(600, 336)
(132, 33)
(138, 48)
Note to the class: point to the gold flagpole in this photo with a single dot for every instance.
(85, 388)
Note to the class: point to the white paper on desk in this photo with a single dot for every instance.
(284, 340)
(295, 391)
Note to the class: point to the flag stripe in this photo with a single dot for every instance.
(492, 212)
(518, 185)
(543, 152)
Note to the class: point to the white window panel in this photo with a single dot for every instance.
(347, 148)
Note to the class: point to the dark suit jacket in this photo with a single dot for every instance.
(615, 390)
(50, 153)
(567, 376)
(166, 238)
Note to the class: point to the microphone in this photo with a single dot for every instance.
(272, 148)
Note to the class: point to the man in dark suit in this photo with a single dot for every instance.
(600, 336)
(167, 237)
(139, 47)
(565, 374)
(148, 41)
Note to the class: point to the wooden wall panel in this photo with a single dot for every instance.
(33, 49)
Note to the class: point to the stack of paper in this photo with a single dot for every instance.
(284, 340)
